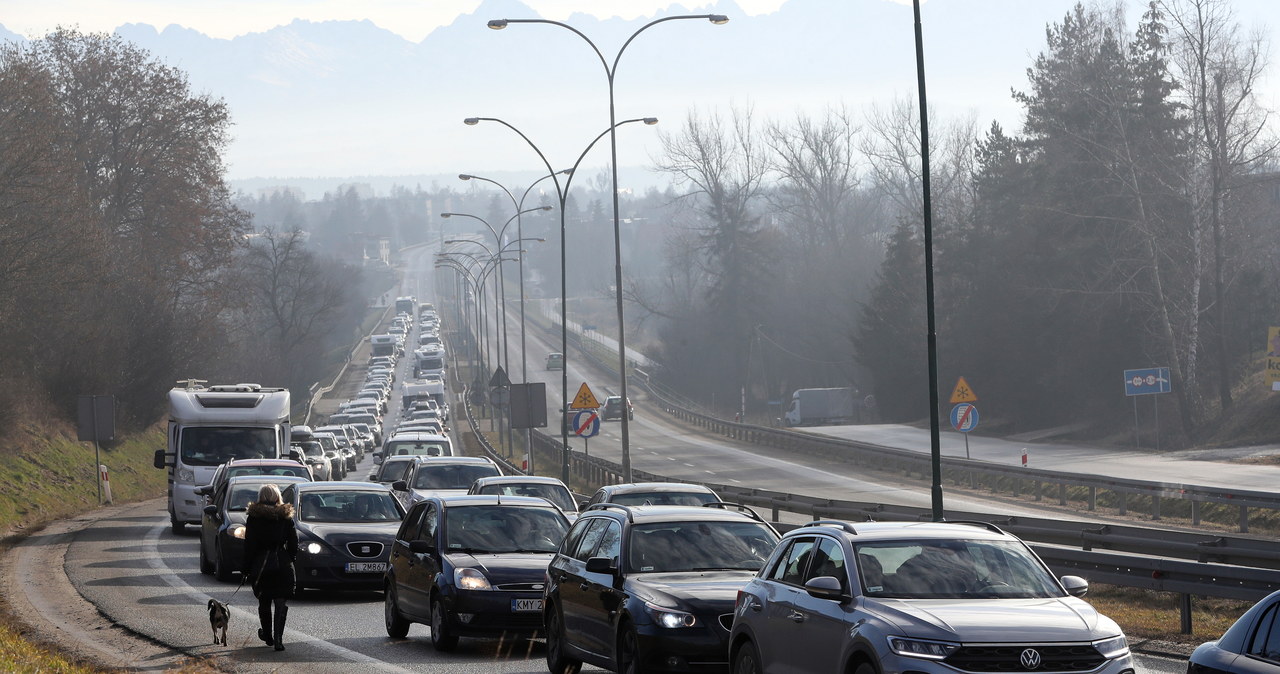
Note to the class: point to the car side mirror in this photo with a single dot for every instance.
(373, 477)
(295, 455)
(211, 510)
(400, 485)
(421, 547)
(825, 587)
(377, 459)
(158, 460)
(601, 565)
(1075, 585)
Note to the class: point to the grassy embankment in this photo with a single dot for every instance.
(48, 475)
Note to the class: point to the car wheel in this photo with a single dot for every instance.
(747, 659)
(220, 570)
(397, 625)
(628, 651)
(206, 566)
(178, 528)
(557, 661)
(441, 637)
(864, 668)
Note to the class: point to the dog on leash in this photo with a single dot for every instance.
(219, 616)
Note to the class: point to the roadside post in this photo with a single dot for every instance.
(586, 425)
(584, 401)
(96, 422)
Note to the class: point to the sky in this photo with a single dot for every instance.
(999, 41)
(412, 19)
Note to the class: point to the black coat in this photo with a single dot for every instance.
(267, 527)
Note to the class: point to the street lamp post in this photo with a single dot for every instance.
(497, 236)
(562, 195)
(610, 71)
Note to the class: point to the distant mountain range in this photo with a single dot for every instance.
(347, 98)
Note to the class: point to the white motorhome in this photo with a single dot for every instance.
(429, 360)
(210, 425)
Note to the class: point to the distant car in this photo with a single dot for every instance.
(1250, 646)
(313, 455)
(555, 361)
(651, 588)
(927, 597)
(269, 467)
(548, 488)
(345, 530)
(442, 476)
(613, 409)
(472, 566)
(415, 443)
(394, 468)
(222, 526)
(654, 493)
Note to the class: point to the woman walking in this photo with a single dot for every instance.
(270, 547)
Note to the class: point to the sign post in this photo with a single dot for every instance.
(96, 417)
(964, 418)
(1147, 381)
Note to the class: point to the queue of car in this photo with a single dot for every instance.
(656, 577)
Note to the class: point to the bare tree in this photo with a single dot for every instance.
(1218, 67)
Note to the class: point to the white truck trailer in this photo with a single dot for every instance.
(817, 406)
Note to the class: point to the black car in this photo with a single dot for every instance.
(472, 565)
(1250, 646)
(614, 409)
(345, 531)
(651, 588)
(222, 526)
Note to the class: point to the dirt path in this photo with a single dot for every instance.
(38, 594)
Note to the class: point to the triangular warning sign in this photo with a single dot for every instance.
(584, 400)
(962, 393)
(499, 378)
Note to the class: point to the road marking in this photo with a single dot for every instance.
(157, 562)
(690, 465)
(708, 472)
(733, 480)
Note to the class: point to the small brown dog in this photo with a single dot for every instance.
(219, 616)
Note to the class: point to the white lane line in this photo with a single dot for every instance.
(708, 472)
(155, 561)
(737, 481)
(690, 465)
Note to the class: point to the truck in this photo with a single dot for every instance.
(818, 406)
(407, 304)
(211, 425)
(382, 345)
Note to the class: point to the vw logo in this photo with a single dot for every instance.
(1030, 659)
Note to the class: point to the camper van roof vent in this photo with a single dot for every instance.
(226, 401)
(236, 388)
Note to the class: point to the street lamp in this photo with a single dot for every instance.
(519, 205)
(610, 71)
(562, 195)
(497, 236)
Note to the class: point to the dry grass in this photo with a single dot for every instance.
(1145, 614)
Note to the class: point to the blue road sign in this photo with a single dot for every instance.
(964, 417)
(1147, 381)
(586, 424)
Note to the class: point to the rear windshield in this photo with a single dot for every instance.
(552, 492)
(298, 470)
(451, 476)
(349, 507)
(418, 448)
(683, 498)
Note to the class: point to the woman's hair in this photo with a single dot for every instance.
(269, 494)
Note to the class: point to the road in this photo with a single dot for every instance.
(124, 564)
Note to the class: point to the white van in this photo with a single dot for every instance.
(413, 443)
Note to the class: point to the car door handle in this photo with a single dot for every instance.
(584, 586)
(755, 606)
(797, 616)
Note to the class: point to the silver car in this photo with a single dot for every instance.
(933, 598)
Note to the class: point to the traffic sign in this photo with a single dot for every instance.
(585, 400)
(1147, 381)
(962, 393)
(964, 417)
(586, 424)
(499, 378)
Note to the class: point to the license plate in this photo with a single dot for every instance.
(366, 567)
(526, 605)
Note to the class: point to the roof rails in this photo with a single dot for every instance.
(619, 506)
(742, 508)
(845, 526)
(977, 523)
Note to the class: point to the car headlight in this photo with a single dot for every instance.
(470, 579)
(670, 618)
(238, 531)
(919, 648)
(186, 475)
(1112, 648)
(314, 548)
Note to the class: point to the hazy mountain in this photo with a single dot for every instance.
(347, 98)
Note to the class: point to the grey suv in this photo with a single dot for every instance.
(926, 597)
